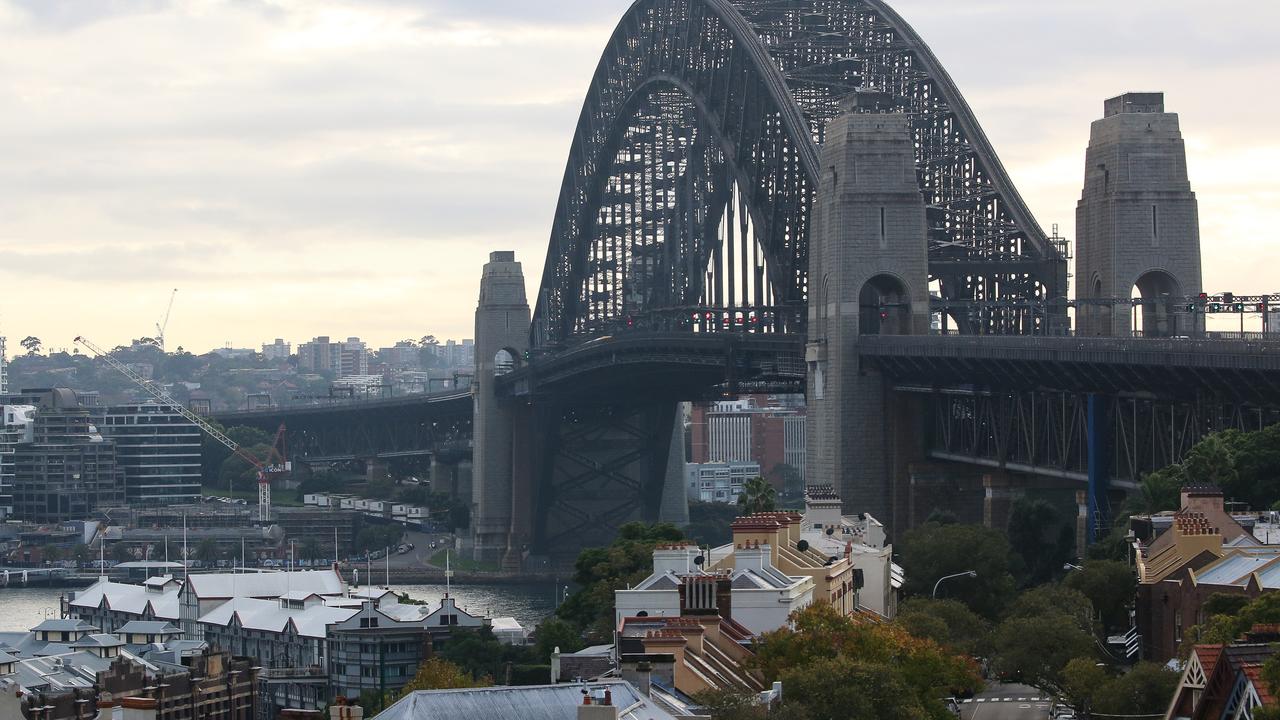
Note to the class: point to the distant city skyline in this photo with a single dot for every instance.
(333, 167)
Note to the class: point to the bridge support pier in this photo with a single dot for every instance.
(675, 497)
(1137, 224)
(502, 337)
(868, 275)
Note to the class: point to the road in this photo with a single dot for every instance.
(1007, 702)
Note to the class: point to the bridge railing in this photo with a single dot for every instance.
(701, 319)
(1212, 335)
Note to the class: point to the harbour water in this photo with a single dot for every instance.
(23, 608)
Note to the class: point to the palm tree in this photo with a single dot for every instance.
(757, 496)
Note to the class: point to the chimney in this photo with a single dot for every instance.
(139, 708)
(639, 674)
(597, 706)
(340, 710)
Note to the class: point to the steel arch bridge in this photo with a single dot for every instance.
(695, 160)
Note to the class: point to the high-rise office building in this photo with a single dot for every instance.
(17, 425)
(158, 449)
(67, 469)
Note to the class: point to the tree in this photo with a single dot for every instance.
(1110, 587)
(946, 622)
(440, 674)
(32, 344)
(837, 667)
(757, 496)
(555, 633)
(1037, 649)
(1050, 600)
(53, 553)
(709, 522)
(1041, 538)
(81, 553)
(1226, 628)
(598, 572)
(1143, 690)
(932, 551)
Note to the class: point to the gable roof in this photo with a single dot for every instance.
(269, 616)
(265, 584)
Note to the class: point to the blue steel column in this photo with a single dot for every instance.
(1099, 476)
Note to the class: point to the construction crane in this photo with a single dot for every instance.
(264, 470)
(164, 324)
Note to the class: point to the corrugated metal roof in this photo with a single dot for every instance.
(534, 702)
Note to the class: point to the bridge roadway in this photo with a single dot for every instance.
(437, 424)
(1242, 370)
(1245, 370)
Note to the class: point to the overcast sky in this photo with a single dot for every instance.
(343, 167)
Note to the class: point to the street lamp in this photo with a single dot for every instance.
(968, 573)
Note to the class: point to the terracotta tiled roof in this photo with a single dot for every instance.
(1253, 671)
(1208, 655)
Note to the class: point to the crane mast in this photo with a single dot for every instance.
(264, 485)
(163, 325)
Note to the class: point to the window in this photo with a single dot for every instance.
(364, 622)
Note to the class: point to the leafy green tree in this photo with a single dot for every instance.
(31, 344)
(837, 667)
(1051, 600)
(1082, 679)
(933, 550)
(81, 553)
(53, 553)
(757, 496)
(1110, 586)
(1160, 490)
(1144, 690)
(598, 572)
(238, 473)
(1042, 539)
(555, 633)
(1037, 649)
(1212, 461)
(1226, 628)
(947, 622)
(709, 523)
(481, 655)
(440, 674)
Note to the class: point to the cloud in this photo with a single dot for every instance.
(304, 167)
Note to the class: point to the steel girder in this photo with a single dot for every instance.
(606, 467)
(1045, 432)
(694, 163)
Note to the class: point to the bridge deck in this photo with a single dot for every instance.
(1247, 370)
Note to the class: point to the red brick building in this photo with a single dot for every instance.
(756, 429)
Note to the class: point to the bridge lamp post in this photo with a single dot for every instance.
(968, 573)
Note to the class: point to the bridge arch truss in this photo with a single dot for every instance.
(695, 160)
